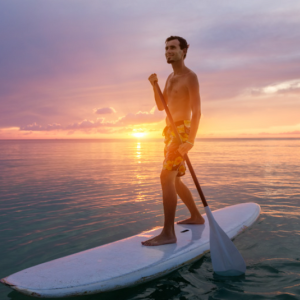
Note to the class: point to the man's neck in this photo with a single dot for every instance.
(178, 67)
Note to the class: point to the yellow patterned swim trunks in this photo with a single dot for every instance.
(174, 161)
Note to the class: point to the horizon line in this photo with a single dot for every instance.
(151, 139)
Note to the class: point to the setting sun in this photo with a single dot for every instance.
(139, 134)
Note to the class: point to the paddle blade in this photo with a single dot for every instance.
(226, 259)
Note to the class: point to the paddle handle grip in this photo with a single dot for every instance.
(156, 86)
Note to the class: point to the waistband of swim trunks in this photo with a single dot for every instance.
(178, 123)
(169, 127)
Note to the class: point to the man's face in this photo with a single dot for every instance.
(173, 52)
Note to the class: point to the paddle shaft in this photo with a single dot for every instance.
(179, 138)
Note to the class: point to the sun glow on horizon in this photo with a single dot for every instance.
(139, 134)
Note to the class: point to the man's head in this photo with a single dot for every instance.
(176, 48)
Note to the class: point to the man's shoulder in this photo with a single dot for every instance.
(192, 74)
(191, 78)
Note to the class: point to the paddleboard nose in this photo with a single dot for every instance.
(5, 282)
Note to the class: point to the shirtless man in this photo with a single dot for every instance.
(182, 96)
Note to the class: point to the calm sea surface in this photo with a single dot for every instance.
(59, 197)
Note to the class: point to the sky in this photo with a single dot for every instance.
(79, 69)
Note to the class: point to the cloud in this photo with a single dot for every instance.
(142, 118)
(154, 116)
(282, 87)
(105, 110)
(87, 124)
(295, 134)
(36, 127)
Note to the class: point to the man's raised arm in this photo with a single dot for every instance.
(153, 78)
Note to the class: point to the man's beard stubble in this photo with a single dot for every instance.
(169, 60)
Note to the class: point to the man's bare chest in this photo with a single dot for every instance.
(176, 88)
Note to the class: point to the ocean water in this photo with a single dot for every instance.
(59, 197)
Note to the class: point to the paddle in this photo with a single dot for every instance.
(226, 259)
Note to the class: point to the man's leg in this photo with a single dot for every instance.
(186, 196)
(167, 235)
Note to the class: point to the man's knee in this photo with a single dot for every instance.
(167, 177)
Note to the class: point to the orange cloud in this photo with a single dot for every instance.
(139, 118)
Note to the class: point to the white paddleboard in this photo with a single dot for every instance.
(126, 262)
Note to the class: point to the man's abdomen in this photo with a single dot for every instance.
(179, 116)
(180, 109)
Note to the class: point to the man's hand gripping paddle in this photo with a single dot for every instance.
(226, 259)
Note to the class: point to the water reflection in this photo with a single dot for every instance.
(138, 146)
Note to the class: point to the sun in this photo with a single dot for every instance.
(139, 134)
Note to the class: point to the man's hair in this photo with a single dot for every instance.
(182, 42)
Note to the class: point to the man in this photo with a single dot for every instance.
(182, 96)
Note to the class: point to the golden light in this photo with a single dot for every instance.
(139, 134)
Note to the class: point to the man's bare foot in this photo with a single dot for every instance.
(160, 240)
(194, 220)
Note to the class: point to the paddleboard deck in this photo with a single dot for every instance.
(126, 262)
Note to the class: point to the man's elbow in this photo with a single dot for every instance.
(197, 114)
